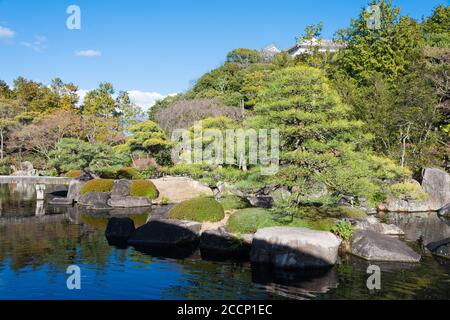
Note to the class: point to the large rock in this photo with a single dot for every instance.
(440, 248)
(259, 201)
(95, 200)
(179, 189)
(372, 223)
(129, 202)
(374, 246)
(74, 192)
(166, 232)
(119, 229)
(220, 242)
(444, 211)
(436, 183)
(286, 247)
(121, 188)
(405, 205)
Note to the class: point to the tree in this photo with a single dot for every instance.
(147, 138)
(128, 112)
(100, 102)
(183, 113)
(75, 154)
(8, 110)
(388, 49)
(318, 139)
(42, 136)
(243, 57)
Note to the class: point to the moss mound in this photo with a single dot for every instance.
(250, 220)
(200, 209)
(143, 188)
(128, 173)
(98, 185)
(73, 174)
(234, 203)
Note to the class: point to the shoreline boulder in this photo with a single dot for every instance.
(119, 230)
(95, 200)
(129, 202)
(286, 247)
(436, 183)
(166, 232)
(374, 246)
(220, 243)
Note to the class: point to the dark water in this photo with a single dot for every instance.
(38, 243)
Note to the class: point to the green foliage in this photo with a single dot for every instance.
(233, 203)
(144, 188)
(389, 49)
(5, 167)
(150, 173)
(97, 185)
(243, 56)
(73, 154)
(147, 137)
(128, 173)
(73, 174)
(437, 27)
(343, 230)
(409, 190)
(200, 209)
(250, 220)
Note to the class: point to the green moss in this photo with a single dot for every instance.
(128, 173)
(143, 188)
(98, 185)
(409, 190)
(73, 174)
(250, 220)
(233, 203)
(199, 209)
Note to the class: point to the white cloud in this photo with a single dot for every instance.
(6, 33)
(39, 44)
(88, 53)
(143, 99)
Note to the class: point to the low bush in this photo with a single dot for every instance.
(98, 185)
(143, 188)
(407, 190)
(73, 174)
(234, 203)
(128, 173)
(199, 209)
(343, 229)
(250, 220)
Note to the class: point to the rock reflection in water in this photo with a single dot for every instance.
(295, 284)
(426, 227)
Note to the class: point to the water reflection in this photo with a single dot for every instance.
(424, 227)
(35, 250)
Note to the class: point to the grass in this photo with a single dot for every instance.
(97, 185)
(143, 188)
(250, 220)
(233, 203)
(199, 209)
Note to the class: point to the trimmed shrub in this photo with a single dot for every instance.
(143, 188)
(73, 174)
(98, 185)
(200, 209)
(234, 203)
(128, 173)
(252, 219)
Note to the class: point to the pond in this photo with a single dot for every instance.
(38, 243)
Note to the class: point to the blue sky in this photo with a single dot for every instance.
(156, 46)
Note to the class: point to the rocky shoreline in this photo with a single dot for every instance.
(281, 247)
